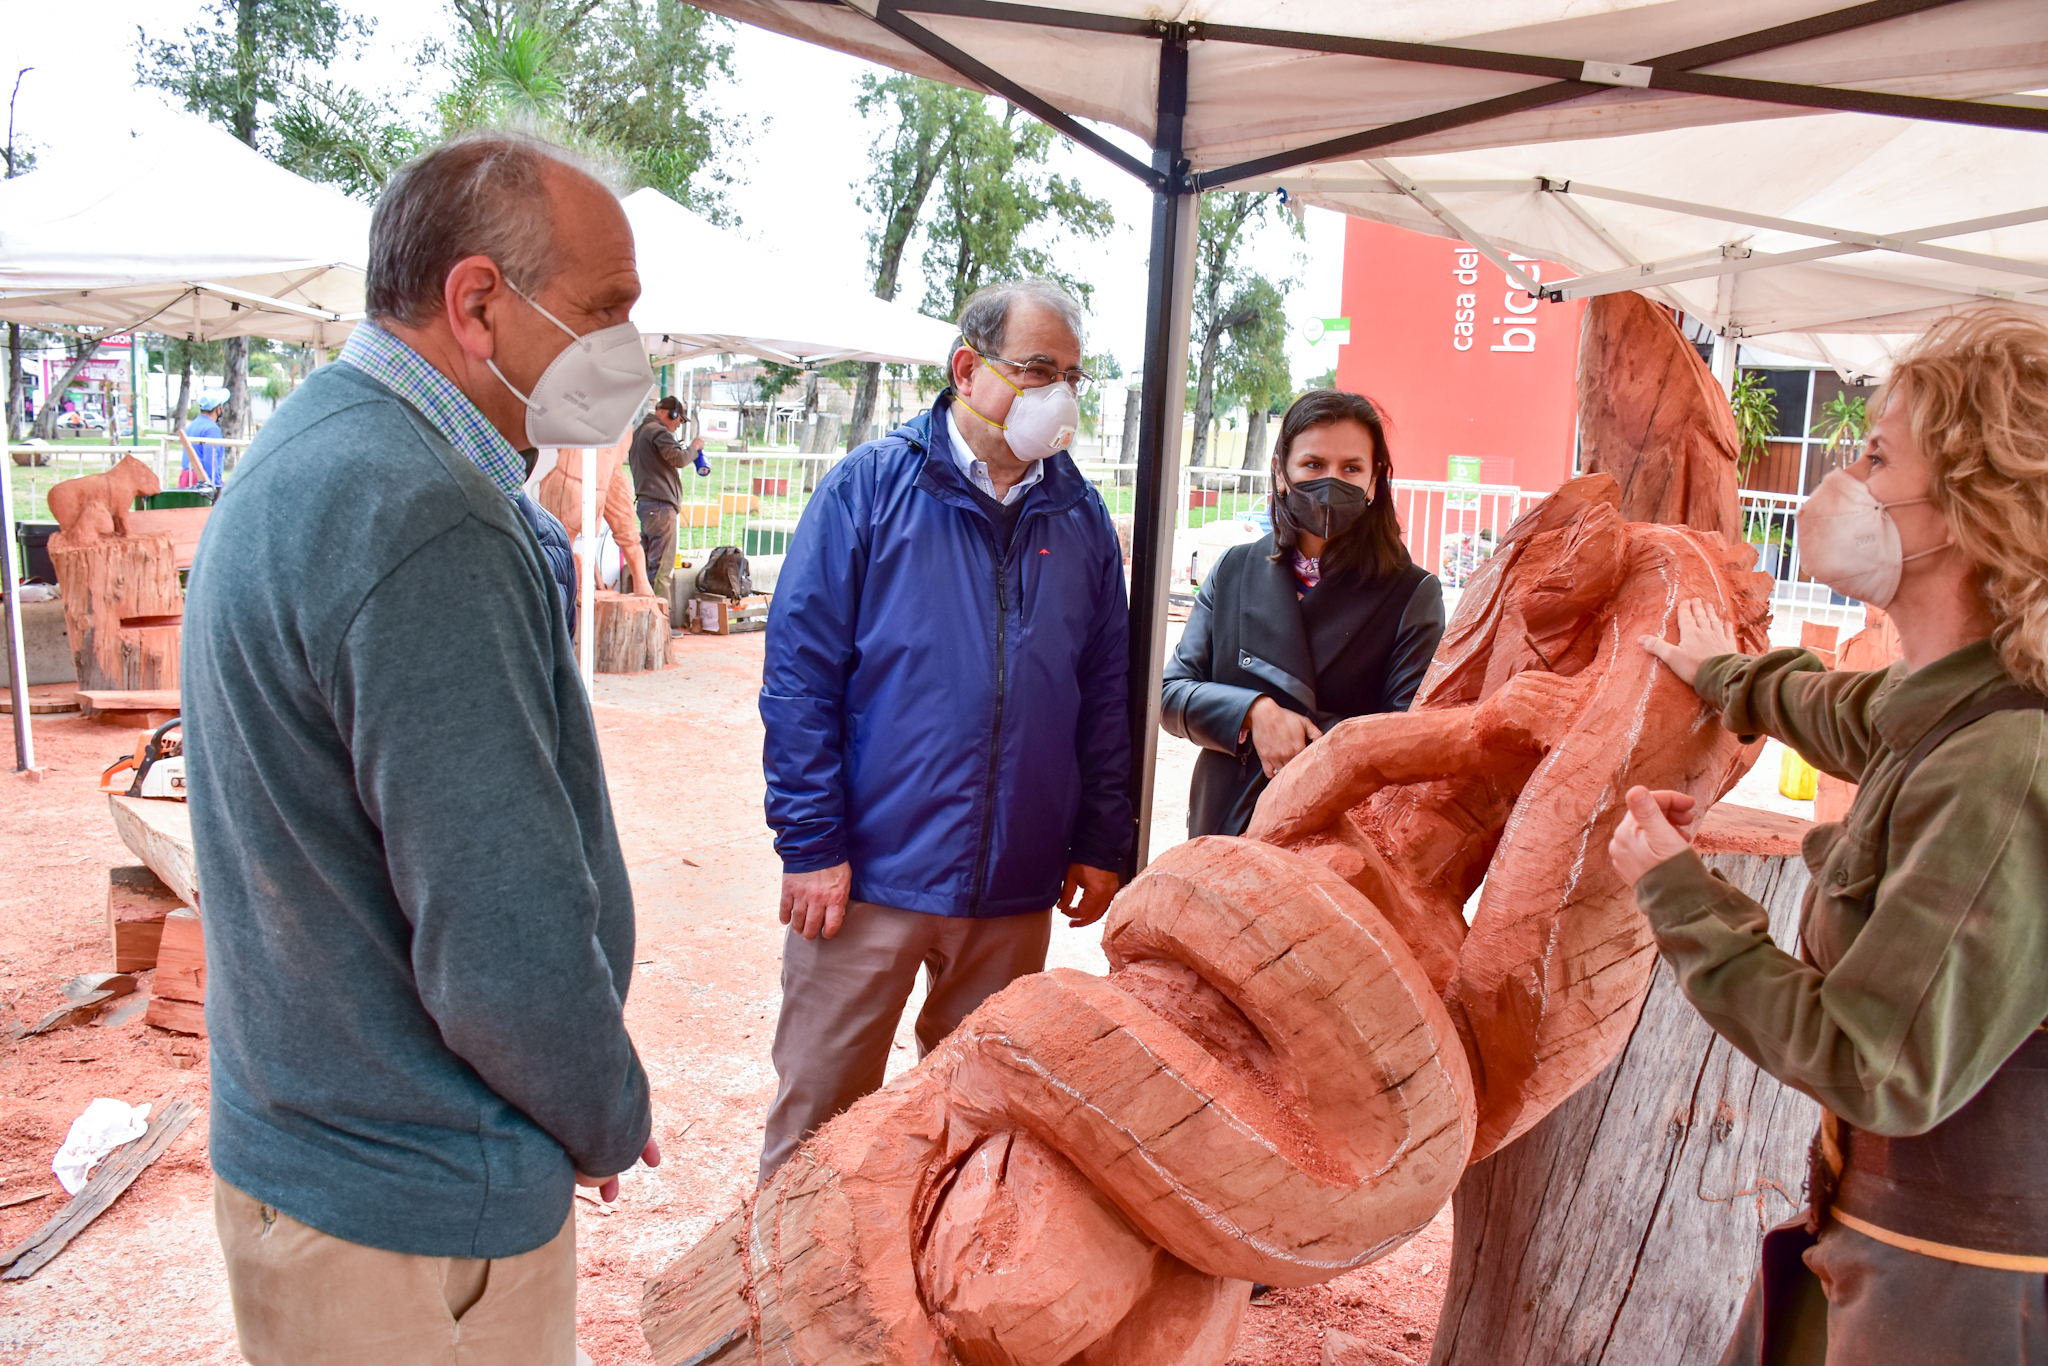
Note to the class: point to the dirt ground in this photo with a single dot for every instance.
(682, 753)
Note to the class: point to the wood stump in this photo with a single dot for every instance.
(632, 634)
(108, 580)
(1624, 1229)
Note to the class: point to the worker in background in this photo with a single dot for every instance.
(418, 922)
(1913, 1012)
(204, 459)
(1323, 619)
(657, 460)
(947, 753)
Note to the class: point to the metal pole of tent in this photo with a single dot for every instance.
(138, 406)
(17, 660)
(1169, 295)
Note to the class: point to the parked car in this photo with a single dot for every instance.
(81, 420)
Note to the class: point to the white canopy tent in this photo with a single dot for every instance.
(1664, 132)
(226, 243)
(706, 291)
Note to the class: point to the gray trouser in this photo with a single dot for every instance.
(842, 998)
(658, 539)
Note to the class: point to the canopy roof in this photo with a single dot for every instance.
(1789, 171)
(225, 242)
(707, 291)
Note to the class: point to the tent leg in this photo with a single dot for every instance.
(17, 658)
(1169, 295)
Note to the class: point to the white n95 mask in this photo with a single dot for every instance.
(1849, 542)
(591, 392)
(1042, 421)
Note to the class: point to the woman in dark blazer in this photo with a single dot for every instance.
(1322, 619)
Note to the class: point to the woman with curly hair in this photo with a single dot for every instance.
(1914, 1011)
(1324, 619)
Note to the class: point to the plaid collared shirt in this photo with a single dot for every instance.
(391, 362)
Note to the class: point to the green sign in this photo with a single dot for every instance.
(1319, 330)
(1464, 469)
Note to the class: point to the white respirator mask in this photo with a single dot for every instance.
(1848, 540)
(591, 392)
(1043, 421)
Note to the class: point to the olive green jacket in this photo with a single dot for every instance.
(1899, 1008)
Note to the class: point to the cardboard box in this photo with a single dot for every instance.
(712, 615)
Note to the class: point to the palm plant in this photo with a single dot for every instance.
(1844, 421)
(1755, 405)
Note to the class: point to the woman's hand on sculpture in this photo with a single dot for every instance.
(1279, 734)
(1657, 826)
(1702, 634)
(815, 903)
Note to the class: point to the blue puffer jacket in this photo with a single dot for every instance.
(949, 720)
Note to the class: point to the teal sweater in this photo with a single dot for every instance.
(419, 930)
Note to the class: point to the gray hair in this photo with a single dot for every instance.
(986, 315)
(481, 194)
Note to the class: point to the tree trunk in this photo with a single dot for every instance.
(234, 420)
(1255, 438)
(184, 393)
(1205, 395)
(864, 402)
(1624, 1229)
(53, 401)
(14, 390)
(116, 579)
(632, 634)
(1134, 402)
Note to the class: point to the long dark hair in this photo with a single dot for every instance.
(1373, 546)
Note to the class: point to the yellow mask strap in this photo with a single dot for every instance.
(957, 398)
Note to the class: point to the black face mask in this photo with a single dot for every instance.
(1323, 507)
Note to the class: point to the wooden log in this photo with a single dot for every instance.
(179, 1017)
(182, 525)
(114, 1175)
(1624, 1229)
(181, 959)
(1652, 415)
(632, 634)
(160, 834)
(106, 580)
(137, 902)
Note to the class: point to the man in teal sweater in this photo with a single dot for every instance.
(418, 925)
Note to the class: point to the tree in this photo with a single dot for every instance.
(252, 59)
(906, 158)
(1233, 304)
(994, 191)
(81, 346)
(20, 161)
(1252, 369)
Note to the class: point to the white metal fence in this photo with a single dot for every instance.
(35, 468)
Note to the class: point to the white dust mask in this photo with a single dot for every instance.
(1848, 540)
(591, 392)
(1042, 421)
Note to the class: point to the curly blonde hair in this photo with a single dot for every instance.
(1976, 386)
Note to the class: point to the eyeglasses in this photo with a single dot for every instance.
(1041, 372)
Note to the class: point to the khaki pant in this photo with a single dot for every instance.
(842, 998)
(306, 1298)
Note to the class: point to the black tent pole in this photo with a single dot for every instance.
(1169, 294)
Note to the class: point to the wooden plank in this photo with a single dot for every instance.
(45, 699)
(181, 958)
(130, 699)
(182, 525)
(1732, 829)
(137, 902)
(160, 834)
(1625, 1227)
(168, 1118)
(180, 1017)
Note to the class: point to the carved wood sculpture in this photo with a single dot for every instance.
(122, 602)
(1300, 1045)
(1653, 416)
(561, 493)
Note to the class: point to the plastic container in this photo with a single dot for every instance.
(1797, 779)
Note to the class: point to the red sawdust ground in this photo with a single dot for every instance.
(682, 754)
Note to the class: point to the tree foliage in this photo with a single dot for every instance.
(1240, 319)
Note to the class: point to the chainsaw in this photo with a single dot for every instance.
(158, 764)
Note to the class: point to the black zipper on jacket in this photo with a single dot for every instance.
(995, 751)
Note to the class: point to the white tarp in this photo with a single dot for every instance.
(1835, 184)
(182, 230)
(706, 291)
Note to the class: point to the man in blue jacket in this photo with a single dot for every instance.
(947, 753)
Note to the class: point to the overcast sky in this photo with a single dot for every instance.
(798, 173)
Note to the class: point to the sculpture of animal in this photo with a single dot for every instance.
(1301, 1043)
(95, 506)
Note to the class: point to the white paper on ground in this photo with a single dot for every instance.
(103, 1126)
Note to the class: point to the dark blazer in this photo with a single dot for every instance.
(1346, 649)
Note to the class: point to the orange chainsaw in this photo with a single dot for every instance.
(158, 764)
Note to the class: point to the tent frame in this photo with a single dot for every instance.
(1176, 213)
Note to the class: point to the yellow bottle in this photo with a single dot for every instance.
(1797, 779)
